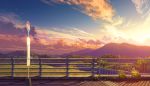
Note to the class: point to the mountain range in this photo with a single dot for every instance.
(122, 49)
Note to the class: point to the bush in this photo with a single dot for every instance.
(135, 73)
(122, 74)
(97, 77)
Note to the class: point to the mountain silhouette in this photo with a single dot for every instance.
(122, 49)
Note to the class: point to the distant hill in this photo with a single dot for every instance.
(2, 55)
(122, 49)
(22, 53)
(80, 52)
(17, 53)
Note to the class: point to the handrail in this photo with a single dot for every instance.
(67, 66)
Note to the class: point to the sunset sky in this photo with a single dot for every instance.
(67, 25)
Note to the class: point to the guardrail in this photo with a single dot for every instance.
(72, 67)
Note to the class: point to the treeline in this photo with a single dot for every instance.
(103, 56)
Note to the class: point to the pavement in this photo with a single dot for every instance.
(49, 82)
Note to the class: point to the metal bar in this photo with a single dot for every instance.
(93, 67)
(54, 68)
(54, 58)
(65, 72)
(5, 72)
(25, 64)
(80, 58)
(65, 58)
(67, 67)
(80, 64)
(54, 63)
(81, 72)
(20, 64)
(5, 64)
(23, 68)
(40, 68)
(24, 72)
(12, 67)
(53, 72)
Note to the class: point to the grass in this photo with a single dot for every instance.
(47, 71)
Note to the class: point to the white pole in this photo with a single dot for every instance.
(28, 51)
(28, 46)
(28, 42)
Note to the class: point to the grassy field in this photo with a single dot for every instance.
(46, 71)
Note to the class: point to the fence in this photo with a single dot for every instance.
(72, 67)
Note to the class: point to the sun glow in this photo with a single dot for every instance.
(133, 32)
(141, 34)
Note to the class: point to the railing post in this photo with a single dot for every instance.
(93, 67)
(12, 67)
(67, 67)
(40, 68)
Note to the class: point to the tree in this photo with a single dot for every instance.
(109, 56)
(141, 65)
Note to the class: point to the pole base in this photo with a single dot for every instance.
(28, 82)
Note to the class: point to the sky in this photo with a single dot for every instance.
(61, 26)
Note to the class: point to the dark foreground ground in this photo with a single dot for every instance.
(49, 82)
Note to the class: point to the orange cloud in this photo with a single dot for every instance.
(97, 9)
(74, 38)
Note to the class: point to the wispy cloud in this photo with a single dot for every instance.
(69, 33)
(45, 39)
(97, 9)
(142, 6)
(71, 37)
(9, 24)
